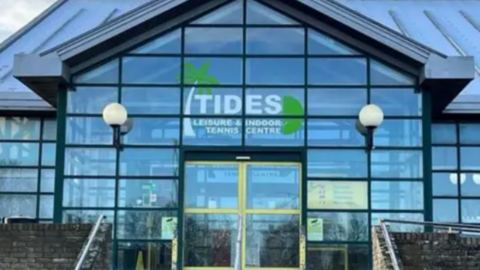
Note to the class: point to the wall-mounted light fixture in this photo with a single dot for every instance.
(116, 116)
(370, 117)
(454, 178)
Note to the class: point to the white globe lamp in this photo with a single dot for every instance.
(371, 116)
(115, 115)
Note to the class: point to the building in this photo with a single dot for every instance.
(245, 122)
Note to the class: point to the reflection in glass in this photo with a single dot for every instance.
(337, 163)
(336, 226)
(154, 131)
(106, 73)
(271, 71)
(337, 195)
(270, 132)
(18, 205)
(211, 186)
(397, 195)
(149, 162)
(445, 184)
(471, 186)
(444, 133)
(151, 100)
(260, 14)
(19, 128)
(18, 180)
(321, 44)
(150, 70)
(86, 216)
(337, 257)
(168, 43)
(212, 131)
(228, 14)
(444, 158)
(210, 240)
(19, 154)
(333, 132)
(399, 227)
(397, 164)
(273, 187)
(91, 99)
(272, 241)
(46, 206)
(397, 101)
(89, 193)
(49, 129)
(48, 154)
(88, 130)
(336, 101)
(470, 158)
(90, 161)
(382, 75)
(337, 71)
(155, 255)
(469, 133)
(445, 210)
(148, 193)
(280, 41)
(133, 224)
(470, 211)
(47, 181)
(208, 40)
(212, 101)
(212, 71)
(393, 132)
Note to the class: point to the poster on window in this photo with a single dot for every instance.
(337, 195)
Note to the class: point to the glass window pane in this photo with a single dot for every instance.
(151, 70)
(133, 224)
(213, 71)
(168, 43)
(19, 128)
(337, 163)
(88, 130)
(48, 154)
(337, 257)
(260, 14)
(273, 187)
(396, 195)
(149, 162)
(275, 101)
(397, 164)
(470, 211)
(470, 158)
(212, 131)
(47, 181)
(18, 205)
(321, 44)
(86, 216)
(90, 161)
(337, 71)
(155, 255)
(148, 193)
(333, 132)
(154, 131)
(337, 195)
(270, 132)
(211, 186)
(469, 133)
(148, 100)
(445, 210)
(210, 40)
(18, 180)
(445, 184)
(336, 101)
(444, 158)
(89, 193)
(334, 226)
(228, 14)
(404, 133)
(394, 227)
(106, 73)
(210, 240)
(212, 101)
(279, 41)
(46, 206)
(382, 75)
(272, 241)
(19, 154)
(271, 71)
(91, 99)
(397, 101)
(470, 184)
(49, 129)
(444, 133)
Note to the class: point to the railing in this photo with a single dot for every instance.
(90, 241)
(448, 226)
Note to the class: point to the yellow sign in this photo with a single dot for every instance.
(140, 263)
(303, 247)
(315, 229)
(169, 225)
(337, 195)
(174, 252)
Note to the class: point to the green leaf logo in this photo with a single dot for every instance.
(291, 107)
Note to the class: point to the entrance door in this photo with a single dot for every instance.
(259, 201)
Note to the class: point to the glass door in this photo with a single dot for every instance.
(242, 213)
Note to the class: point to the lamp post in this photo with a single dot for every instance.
(370, 117)
(116, 116)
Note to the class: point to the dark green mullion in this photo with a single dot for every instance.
(244, 72)
(304, 217)
(458, 172)
(60, 154)
(427, 156)
(369, 172)
(39, 172)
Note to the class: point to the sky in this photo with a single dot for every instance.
(14, 14)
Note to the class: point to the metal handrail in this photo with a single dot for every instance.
(90, 241)
(464, 227)
(393, 256)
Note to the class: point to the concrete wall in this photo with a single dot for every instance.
(52, 246)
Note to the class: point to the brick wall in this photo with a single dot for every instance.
(427, 251)
(51, 246)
